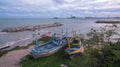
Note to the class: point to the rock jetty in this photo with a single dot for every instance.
(30, 28)
(109, 22)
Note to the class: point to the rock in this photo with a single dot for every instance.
(63, 65)
(29, 28)
(110, 22)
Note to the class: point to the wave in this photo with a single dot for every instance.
(23, 39)
(0, 30)
(10, 43)
(3, 32)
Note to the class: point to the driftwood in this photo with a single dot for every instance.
(29, 28)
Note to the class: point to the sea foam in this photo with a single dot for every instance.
(3, 32)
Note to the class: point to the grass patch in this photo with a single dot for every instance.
(45, 39)
(56, 60)
(107, 57)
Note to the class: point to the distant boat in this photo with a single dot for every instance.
(73, 17)
(49, 48)
(55, 18)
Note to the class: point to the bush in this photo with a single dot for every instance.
(109, 56)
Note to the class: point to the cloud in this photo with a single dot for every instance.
(51, 8)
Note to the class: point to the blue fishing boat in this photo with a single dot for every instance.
(49, 48)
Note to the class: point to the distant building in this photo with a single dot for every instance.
(72, 17)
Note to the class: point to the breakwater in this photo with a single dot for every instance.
(30, 28)
(109, 22)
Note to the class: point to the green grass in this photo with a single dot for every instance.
(45, 39)
(56, 60)
(108, 57)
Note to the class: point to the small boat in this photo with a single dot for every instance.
(49, 48)
(75, 46)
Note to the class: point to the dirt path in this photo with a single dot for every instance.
(12, 58)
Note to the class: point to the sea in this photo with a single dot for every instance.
(81, 25)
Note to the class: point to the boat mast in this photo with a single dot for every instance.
(35, 38)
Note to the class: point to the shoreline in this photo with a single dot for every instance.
(22, 42)
(16, 44)
(17, 55)
(26, 41)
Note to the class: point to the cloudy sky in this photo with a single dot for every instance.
(59, 8)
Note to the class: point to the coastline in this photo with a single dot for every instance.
(26, 41)
(16, 55)
(22, 42)
(16, 44)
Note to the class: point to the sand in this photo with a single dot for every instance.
(13, 58)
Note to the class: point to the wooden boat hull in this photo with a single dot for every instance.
(76, 47)
(45, 54)
(76, 51)
(48, 53)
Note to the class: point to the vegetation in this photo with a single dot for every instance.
(104, 35)
(55, 61)
(109, 54)
(45, 39)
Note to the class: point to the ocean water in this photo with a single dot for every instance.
(84, 25)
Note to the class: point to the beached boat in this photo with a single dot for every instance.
(49, 48)
(75, 46)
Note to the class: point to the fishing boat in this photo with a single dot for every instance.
(49, 48)
(75, 46)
